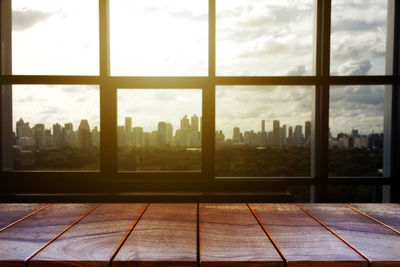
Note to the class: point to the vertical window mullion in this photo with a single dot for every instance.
(108, 99)
(208, 124)
(321, 101)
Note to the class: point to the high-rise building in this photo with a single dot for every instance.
(307, 130)
(23, 129)
(38, 132)
(162, 133)
(275, 130)
(95, 137)
(290, 136)
(57, 135)
(68, 134)
(185, 124)
(84, 135)
(236, 135)
(137, 136)
(170, 133)
(283, 137)
(146, 139)
(298, 135)
(195, 123)
(354, 133)
(128, 131)
(153, 139)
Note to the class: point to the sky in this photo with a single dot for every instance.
(170, 38)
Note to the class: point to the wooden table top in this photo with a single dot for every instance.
(200, 234)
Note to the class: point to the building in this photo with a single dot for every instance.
(57, 135)
(84, 135)
(275, 130)
(298, 135)
(128, 131)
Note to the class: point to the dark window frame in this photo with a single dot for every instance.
(194, 186)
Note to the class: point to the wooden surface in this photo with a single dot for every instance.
(200, 235)
(377, 243)
(93, 240)
(166, 235)
(10, 213)
(21, 241)
(230, 235)
(388, 214)
(302, 240)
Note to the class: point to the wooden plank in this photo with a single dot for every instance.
(93, 240)
(22, 240)
(302, 240)
(388, 214)
(231, 236)
(10, 213)
(378, 243)
(166, 235)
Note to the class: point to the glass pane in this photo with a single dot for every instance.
(355, 193)
(55, 37)
(158, 37)
(159, 130)
(358, 37)
(256, 38)
(356, 130)
(263, 131)
(55, 127)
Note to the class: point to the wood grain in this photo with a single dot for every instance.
(231, 236)
(378, 243)
(22, 240)
(9, 213)
(93, 240)
(302, 240)
(388, 214)
(166, 235)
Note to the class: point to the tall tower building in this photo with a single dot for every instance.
(195, 123)
(170, 133)
(128, 131)
(290, 136)
(162, 133)
(263, 126)
(283, 135)
(38, 131)
(137, 136)
(298, 135)
(275, 130)
(236, 134)
(57, 135)
(185, 124)
(84, 135)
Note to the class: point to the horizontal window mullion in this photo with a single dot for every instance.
(44, 79)
(360, 80)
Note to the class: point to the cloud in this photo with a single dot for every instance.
(355, 67)
(27, 18)
(188, 15)
(298, 70)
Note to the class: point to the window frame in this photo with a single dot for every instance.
(193, 186)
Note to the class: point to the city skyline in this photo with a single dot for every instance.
(254, 32)
(279, 134)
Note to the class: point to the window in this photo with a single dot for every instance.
(196, 98)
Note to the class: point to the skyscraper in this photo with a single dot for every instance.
(298, 135)
(128, 131)
(84, 136)
(137, 137)
(57, 135)
(290, 136)
(236, 135)
(275, 130)
(195, 123)
(170, 133)
(185, 124)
